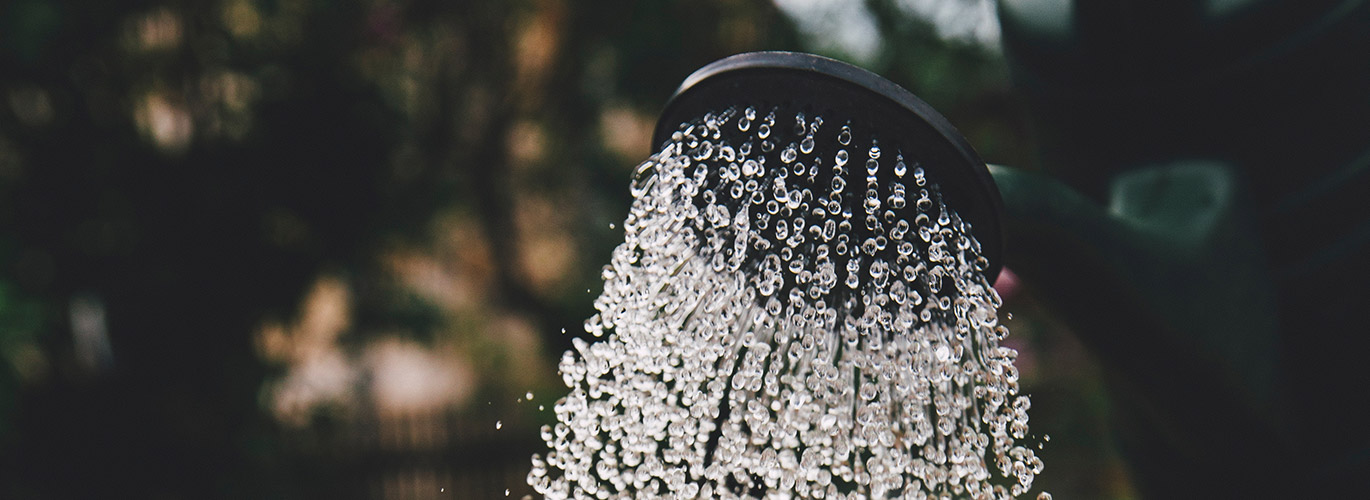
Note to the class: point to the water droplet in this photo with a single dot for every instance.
(727, 154)
(838, 184)
(704, 151)
(499, 424)
(643, 177)
(751, 168)
(844, 137)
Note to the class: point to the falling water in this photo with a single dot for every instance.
(773, 327)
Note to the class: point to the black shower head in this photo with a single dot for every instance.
(875, 108)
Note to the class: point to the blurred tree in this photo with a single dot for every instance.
(176, 177)
(176, 174)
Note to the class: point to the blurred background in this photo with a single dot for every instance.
(303, 249)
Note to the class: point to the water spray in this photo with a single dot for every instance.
(802, 306)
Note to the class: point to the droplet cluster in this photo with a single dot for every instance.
(794, 313)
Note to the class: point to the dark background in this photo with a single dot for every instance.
(307, 249)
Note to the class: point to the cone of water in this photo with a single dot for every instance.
(798, 310)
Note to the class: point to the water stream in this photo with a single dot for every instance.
(786, 320)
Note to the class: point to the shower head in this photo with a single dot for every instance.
(805, 270)
(877, 110)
